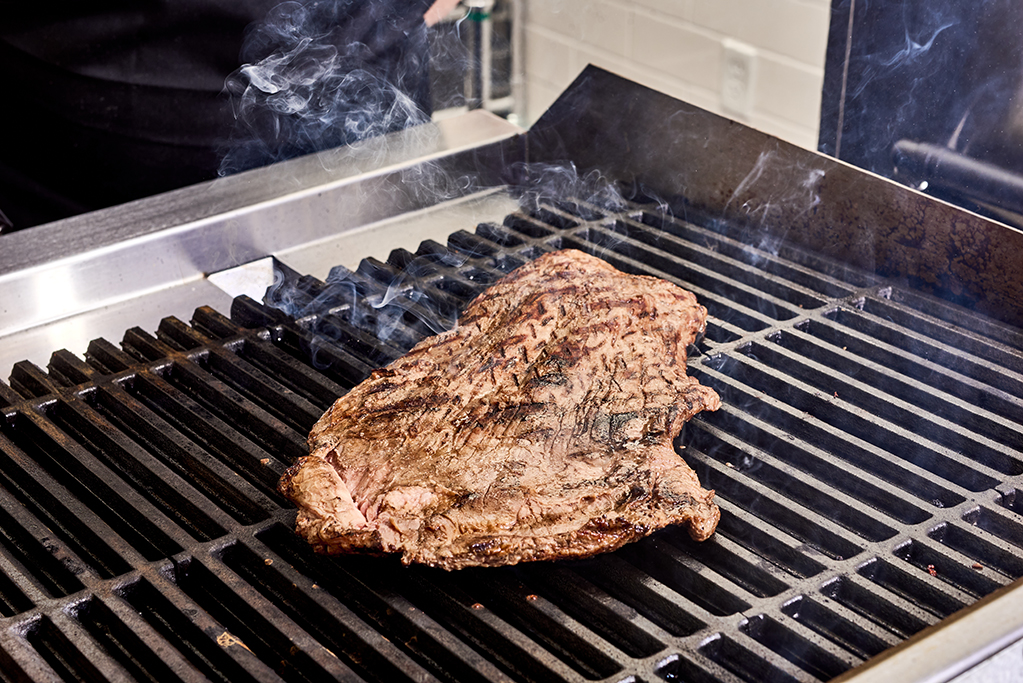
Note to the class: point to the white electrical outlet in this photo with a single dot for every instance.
(738, 73)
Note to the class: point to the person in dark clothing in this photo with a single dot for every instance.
(115, 100)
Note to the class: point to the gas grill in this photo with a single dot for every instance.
(864, 340)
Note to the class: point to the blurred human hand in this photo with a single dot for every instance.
(438, 11)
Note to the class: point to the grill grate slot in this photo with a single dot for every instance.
(744, 660)
(851, 593)
(877, 389)
(962, 577)
(377, 604)
(800, 522)
(65, 658)
(192, 634)
(140, 528)
(834, 410)
(130, 644)
(589, 605)
(860, 641)
(35, 564)
(156, 484)
(185, 458)
(369, 655)
(997, 524)
(641, 592)
(984, 553)
(245, 620)
(914, 590)
(678, 572)
(212, 434)
(760, 541)
(1007, 386)
(811, 657)
(758, 466)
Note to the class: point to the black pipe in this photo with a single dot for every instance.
(945, 169)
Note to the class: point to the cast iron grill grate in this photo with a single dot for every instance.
(867, 460)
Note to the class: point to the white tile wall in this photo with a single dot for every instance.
(675, 46)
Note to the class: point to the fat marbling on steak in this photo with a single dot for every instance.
(540, 428)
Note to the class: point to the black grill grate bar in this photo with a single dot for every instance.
(212, 478)
(941, 398)
(148, 475)
(785, 267)
(624, 628)
(801, 288)
(920, 588)
(965, 541)
(126, 637)
(794, 476)
(258, 351)
(226, 364)
(31, 381)
(69, 370)
(18, 593)
(805, 525)
(687, 577)
(107, 358)
(230, 406)
(259, 624)
(730, 301)
(133, 515)
(887, 610)
(205, 642)
(281, 441)
(68, 517)
(477, 623)
(839, 625)
(376, 602)
(841, 416)
(800, 473)
(410, 651)
(769, 542)
(8, 397)
(810, 434)
(814, 654)
(692, 666)
(544, 623)
(733, 562)
(982, 349)
(703, 268)
(341, 368)
(929, 353)
(651, 599)
(968, 321)
(751, 660)
(19, 662)
(192, 418)
(240, 378)
(70, 652)
(959, 571)
(1006, 525)
(930, 430)
(779, 260)
(43, 565)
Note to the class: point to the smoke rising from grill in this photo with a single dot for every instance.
(325, 74)
(399, 305)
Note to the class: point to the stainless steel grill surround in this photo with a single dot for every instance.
(143, 537)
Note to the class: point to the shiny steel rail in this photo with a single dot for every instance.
(70, 281)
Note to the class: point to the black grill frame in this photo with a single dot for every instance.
(143, 537)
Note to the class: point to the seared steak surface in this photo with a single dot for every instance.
(540, 428)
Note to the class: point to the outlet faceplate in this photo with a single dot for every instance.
(738, 74)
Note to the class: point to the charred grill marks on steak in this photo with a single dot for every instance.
(540, 428)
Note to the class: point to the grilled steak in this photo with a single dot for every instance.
(540, 428)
